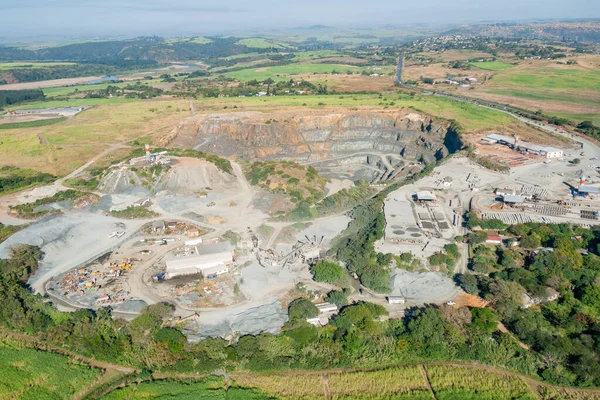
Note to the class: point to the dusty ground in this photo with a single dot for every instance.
(340, 60)
(354, 83)
(552, 106)
(49, 84)
(11, 119)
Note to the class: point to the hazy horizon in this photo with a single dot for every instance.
(70, 18)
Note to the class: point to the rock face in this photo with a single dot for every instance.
(368, 145)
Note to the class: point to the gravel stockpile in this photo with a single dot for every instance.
(248, 320)
(423, 287)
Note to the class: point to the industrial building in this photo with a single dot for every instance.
(396, 300)
(425, 196)
(523, 146)
(209, 260)
(584, 190)
(513, 199)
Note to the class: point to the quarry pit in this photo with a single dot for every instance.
(368, 149)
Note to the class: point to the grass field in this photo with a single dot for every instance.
(546, 95)
(62, 147)
(66, 145)
(259, 43)
(451, 382)
(31, 64)
(306, 387)
(545, 85)
(401, 383)
(492, 65)
(460, 383)
(32, 374)
(577, 118)
(31, 124)
(209, 389)
(313, 55)
(66, 90)
(72, 103)
(283, 72)
(550, 78)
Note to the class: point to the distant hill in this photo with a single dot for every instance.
(154, 49)
(586, 31)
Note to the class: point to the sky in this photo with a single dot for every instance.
(114, 18)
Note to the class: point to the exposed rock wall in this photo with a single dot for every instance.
(319, 139)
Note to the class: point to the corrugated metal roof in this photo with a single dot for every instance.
(509, 198)
(523, 144)
(425, 195)
(214, 248)
(587, 189)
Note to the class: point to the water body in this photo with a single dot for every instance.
(107, 78)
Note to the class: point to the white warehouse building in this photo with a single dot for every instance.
(209, 260)
(546, 151)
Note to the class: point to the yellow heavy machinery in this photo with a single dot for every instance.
(125, 265)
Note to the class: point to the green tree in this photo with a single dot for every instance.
(302, 308)
(452, 250)
(330, 272)
(484, 319)
(268, 82)
(469, 283)
(173, 338)
(531, 241)
(337, 297)
(591, 297)
(427, 327)
(376, 278)
(477, 237)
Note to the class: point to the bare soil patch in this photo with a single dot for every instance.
(48, 84)
(546, 105)
(356, 83)
(341, 60)
(11, 119)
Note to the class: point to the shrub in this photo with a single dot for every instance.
(330, 272)
(301, 308)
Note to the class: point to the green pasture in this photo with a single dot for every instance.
(31, 64)
(571, 78)
(283, 72)
(32, 374)
(492, 65)
(259, 43)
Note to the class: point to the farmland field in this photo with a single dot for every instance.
(551, 78)
(32, 374)
(208, 389)
(306, 387)
(283, 72)
(65, 90)
(492, 65)
(396, 383)
(460, 383)
(451, 382)
(259, 43)
(31, 64)
(31, 124)
(69, 143)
